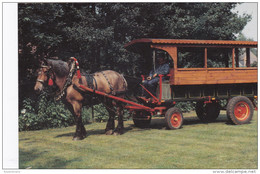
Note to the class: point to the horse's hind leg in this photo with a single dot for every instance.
(111, 120)
(120, 126)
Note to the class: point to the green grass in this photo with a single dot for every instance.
(215, 145)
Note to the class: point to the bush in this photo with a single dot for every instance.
(44, 113)
(47, 113)
(100, 113)
(186, 106)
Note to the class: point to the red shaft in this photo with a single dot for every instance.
(116, 98)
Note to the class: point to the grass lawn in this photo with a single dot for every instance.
(215, 145)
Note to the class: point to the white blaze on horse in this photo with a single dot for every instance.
(67, 77)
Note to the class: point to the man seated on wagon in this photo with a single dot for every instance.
(152, 80)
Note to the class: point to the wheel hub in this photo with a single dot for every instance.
(242, 110)
(175, 119)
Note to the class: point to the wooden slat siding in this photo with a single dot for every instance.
(218, 74)
(215, 76)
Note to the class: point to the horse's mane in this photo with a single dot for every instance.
(60, 68)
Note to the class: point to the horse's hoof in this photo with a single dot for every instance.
(77, 138)
(109, 132)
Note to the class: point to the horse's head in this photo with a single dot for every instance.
(44, 75)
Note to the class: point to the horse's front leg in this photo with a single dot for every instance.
(80, 129)
(120, 126)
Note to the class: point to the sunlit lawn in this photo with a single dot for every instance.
(215, 145)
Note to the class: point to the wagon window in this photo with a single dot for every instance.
(167, 57)
(192, 57)
(253, 57)
(245, 54)
(219, 57)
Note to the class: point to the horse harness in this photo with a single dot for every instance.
(110, 86)
(90, 82)
(89, 78)
(48, 74)
(68, 82)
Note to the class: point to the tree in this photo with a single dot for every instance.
(96, 32)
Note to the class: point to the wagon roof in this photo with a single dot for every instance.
(133, 45)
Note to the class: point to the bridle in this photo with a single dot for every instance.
(48, 74)
(73, 69)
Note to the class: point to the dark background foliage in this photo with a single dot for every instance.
(95, 34)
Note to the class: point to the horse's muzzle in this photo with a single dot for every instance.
(38, 87)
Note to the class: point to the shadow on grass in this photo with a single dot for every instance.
(70, 134)
(93, 132)
(159, 123)
(25, 157)
(194, 120)
(156, 123)
(28, 159)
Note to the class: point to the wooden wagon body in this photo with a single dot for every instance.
(206, 84)
(204, 81)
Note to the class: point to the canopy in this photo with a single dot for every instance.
(140, 45)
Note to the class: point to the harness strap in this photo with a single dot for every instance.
(68, 82)
(95, 82)
(79, 90)
(41, 81)
(90, 79)
(110, 86)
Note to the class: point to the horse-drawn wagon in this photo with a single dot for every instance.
(216, 75)
(203, 71)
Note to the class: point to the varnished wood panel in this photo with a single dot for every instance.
(213, 76)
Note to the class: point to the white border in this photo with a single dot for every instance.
(9, 89)
(10, 86)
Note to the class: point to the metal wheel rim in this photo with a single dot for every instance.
(241, 111)
(176, 120)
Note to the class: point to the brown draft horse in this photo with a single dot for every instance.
(63, 74)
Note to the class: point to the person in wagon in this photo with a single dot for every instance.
(152, 80)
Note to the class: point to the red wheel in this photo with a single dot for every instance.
(240, 110)
(174, 118)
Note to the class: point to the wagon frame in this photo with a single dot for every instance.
(205, 85)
